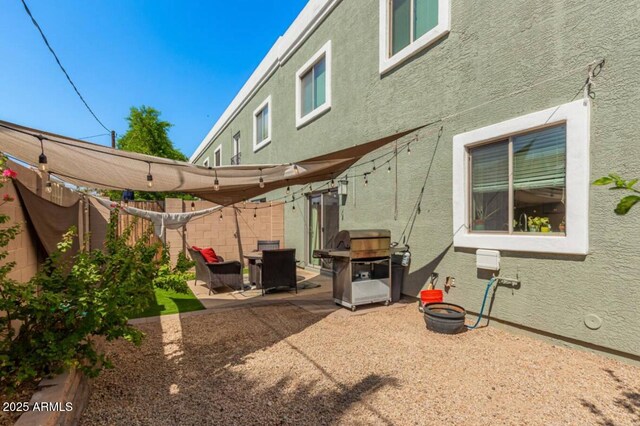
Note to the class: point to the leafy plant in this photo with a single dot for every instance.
(53, 321)
(537, 222)
(617, 183)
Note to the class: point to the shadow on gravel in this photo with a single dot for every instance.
(629, 399)
(191, 372)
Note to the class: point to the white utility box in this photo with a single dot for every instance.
(488, 259)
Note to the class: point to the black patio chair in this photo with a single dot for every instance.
(268, 245)
(216, 275)
(278, 269)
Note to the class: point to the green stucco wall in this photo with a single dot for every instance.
(494, 48)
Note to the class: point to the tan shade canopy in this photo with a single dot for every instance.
(95, 166)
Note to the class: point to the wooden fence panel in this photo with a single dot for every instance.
(139, 225)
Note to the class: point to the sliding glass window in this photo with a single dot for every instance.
(519, 184)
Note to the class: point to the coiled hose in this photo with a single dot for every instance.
(486, 292)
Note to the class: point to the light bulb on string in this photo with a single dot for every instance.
(42, 158)
(374, 167)
(409, 149)
(149, 178)
(332, 184)
(216, 183)
(48, 185)
(255, 212)
(193, 206)
(366, 179)
(288, 190)
(220, 214)
(261, 182)
(389, 168)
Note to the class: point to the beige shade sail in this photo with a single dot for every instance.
(95, 166)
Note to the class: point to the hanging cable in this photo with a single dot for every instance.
(26, 8)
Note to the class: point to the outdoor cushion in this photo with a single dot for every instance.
(209, 255)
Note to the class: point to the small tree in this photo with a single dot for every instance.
(617, 183)
(148, 134)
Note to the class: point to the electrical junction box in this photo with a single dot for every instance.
(488, 259)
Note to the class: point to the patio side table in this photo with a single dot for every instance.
(255, 277)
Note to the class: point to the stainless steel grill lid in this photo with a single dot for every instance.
(359, 244)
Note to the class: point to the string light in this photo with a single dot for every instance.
(366, 179)
(333, 183)
(193, 206)
(288, 190)
(216, 184)
(261, 180)
(374, 167)
(48, 185)
(409, 148)
(42, 159)
(221, 215)
(389, 168)
(149, 177)
(255, 212)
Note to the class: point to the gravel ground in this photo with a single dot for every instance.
(284, 365)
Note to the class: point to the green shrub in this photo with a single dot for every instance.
(71, 302)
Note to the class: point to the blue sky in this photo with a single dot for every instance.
(187, 59)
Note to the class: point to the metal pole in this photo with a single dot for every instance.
(113, 139)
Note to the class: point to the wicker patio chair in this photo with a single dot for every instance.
(216, 275)
(278, 269)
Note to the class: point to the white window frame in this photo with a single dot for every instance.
(257, 145)
(206, 162)
(215, 151)
(325, 51)
(235, 141)
(388, 61)
(576, 116)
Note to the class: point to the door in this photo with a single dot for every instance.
(324, 223)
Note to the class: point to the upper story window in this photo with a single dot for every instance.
(313, 86)
(217, 156)
(235, 160)
(523, 184)
(262, 125)
(408, 26)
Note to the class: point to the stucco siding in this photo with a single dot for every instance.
(501, 60)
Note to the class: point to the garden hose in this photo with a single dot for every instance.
(484, 300)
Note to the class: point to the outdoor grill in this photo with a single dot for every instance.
(361, 267)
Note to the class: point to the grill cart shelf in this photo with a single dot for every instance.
(361, 267)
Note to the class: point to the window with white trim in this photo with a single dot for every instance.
(262, 125)
(313, 86)
(524, 184)
(217, 156)
(205, 163)
(408, 26)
